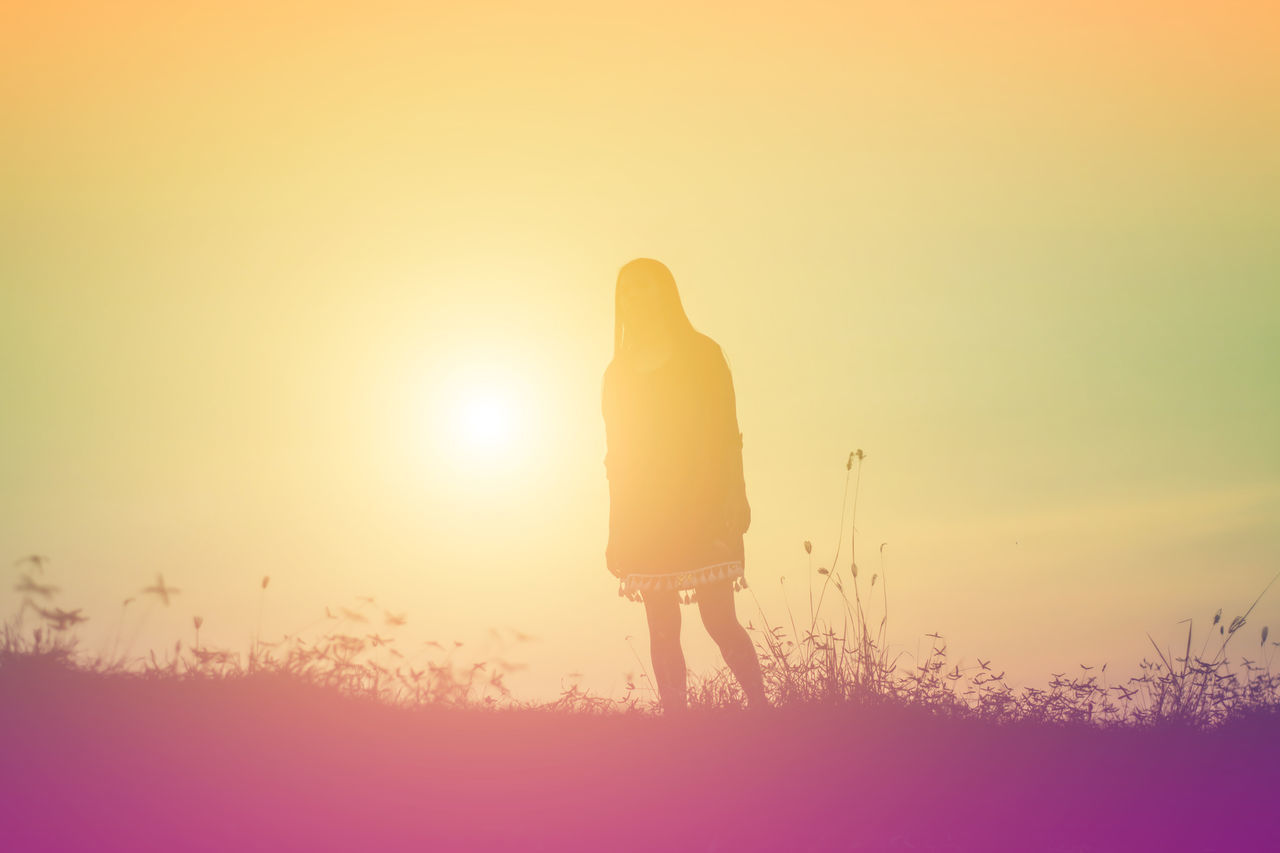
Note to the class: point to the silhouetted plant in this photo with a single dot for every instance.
(817, 666)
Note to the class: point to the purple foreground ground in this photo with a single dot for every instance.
(93, 763)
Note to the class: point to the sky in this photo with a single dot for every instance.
(323, 292)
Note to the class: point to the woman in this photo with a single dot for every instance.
(677, 500)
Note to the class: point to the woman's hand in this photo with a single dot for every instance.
(611, 562)
(737, 514)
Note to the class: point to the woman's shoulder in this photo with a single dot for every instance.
(705, 347)
(608, 383)
(698, 348)
(616, 381)
(616, 375)
(711, 361)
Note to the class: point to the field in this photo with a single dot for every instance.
(318, 746)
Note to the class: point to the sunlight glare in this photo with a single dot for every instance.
(484, 420)
(475, 420)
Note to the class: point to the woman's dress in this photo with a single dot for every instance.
(677, 499)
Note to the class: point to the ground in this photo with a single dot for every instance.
(100, 763)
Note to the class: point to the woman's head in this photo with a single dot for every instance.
(646, 302)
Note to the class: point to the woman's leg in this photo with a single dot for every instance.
(662, 608)
(715, 602)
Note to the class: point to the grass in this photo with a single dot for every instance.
(340, 736)
(816, 666)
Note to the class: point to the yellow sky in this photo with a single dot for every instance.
(257, 267)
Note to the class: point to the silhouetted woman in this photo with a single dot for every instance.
(677, 499)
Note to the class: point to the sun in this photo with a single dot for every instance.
(476, 422)
(484, 419)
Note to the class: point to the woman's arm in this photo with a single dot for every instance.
(726, 440)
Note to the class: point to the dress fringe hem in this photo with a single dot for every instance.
(633, 585)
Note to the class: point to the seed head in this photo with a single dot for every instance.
(161, 590)
(26, 584)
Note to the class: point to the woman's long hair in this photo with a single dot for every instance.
(669, 304)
